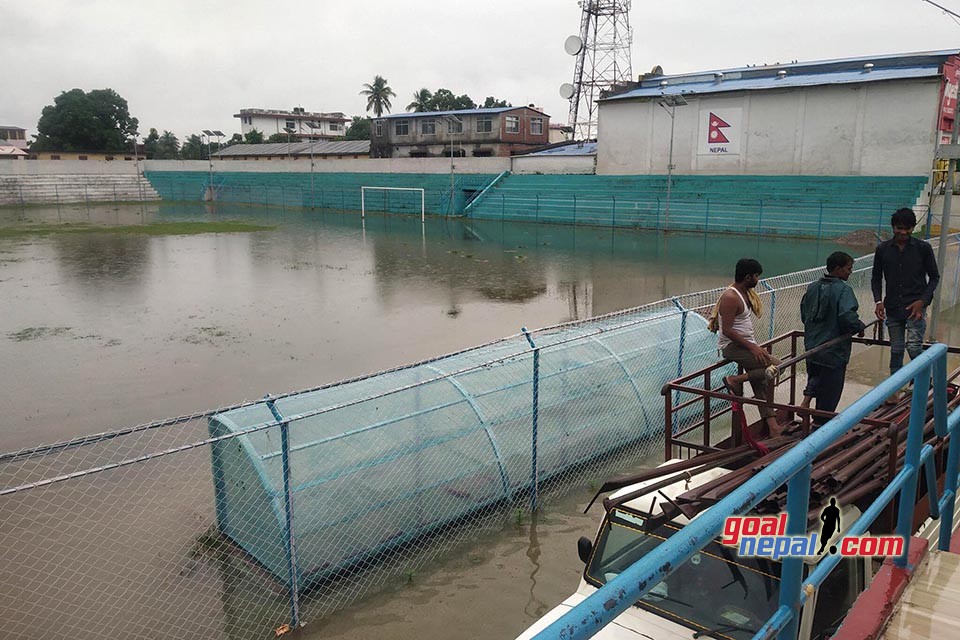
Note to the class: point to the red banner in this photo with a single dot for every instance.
(948, 93)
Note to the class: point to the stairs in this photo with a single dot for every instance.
(18, 190)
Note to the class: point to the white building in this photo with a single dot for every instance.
(306, 125)
(13, 136)
(878, 115)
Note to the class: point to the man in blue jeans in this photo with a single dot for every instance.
(908, 267)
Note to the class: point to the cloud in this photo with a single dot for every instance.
(187, 65)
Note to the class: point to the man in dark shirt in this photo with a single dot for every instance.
(828, 311)
(910, 270)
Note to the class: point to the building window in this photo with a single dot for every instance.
(336, 126)
(428, 127)
(81, 157)
(454, 126)
(401, 128)
(513, 124)
(54, 157)
(536, 126)
(378, 128)
(484, 124)
(291, 124)
(127, 158)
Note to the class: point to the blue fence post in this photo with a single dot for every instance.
(503, 206)
(613, 221)
(911, 460)
(574, 208)
(289, 543)
(948, 500)
(538, 207)
(683, 338)
(798, 504)
(657, 227)
(760, 221)
(773, 306)
(706, 220)
(534, 472)
(956, 271)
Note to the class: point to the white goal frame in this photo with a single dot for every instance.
(363, 203)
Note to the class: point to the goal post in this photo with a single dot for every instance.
(363, 198)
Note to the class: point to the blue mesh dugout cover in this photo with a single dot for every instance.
(397, 454)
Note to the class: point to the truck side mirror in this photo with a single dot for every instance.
(584, 548)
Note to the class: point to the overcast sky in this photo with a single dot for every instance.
(188, 65)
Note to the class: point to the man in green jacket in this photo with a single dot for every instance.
(829, 310)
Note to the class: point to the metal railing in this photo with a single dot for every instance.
(794, 468)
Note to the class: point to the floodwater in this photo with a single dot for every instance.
(114, 329)
(106, 330)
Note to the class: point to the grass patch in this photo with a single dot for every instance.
(153, 229)
(36, 333)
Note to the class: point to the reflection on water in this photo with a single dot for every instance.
(118, 328)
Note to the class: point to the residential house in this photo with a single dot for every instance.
(14, 136)
(306, 125)
(502, 131)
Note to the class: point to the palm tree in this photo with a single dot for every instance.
(378, 95)
(421, 100)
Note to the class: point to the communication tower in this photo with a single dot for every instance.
(602, 51)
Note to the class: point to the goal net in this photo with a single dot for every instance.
(406, 200)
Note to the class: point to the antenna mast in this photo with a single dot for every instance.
(602, 52)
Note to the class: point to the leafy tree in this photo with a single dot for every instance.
(378, 95)
(98, 120)
(492, 103)
(194, 148)
(151, 143)
(421, 100)
(359, 129)
(168, 146)
(253, 137)
(235, 139)
(281, 137)
(445, 100)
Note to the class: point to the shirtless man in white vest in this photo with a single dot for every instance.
(737, 342)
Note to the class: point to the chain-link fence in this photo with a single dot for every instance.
(235, 522)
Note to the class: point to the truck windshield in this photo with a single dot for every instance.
(714, 590)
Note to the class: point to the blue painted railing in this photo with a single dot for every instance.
(794, 468)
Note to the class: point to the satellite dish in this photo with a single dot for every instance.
(566, 91)
(573, 45)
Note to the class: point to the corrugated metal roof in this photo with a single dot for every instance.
(819, 72)
(775, 82)
(326, 148)
(460, 112)
(572, 149)
(10, 150)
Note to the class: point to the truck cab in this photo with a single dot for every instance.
(716, 594)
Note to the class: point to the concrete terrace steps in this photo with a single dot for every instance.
(73, 188)
(812, 206)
